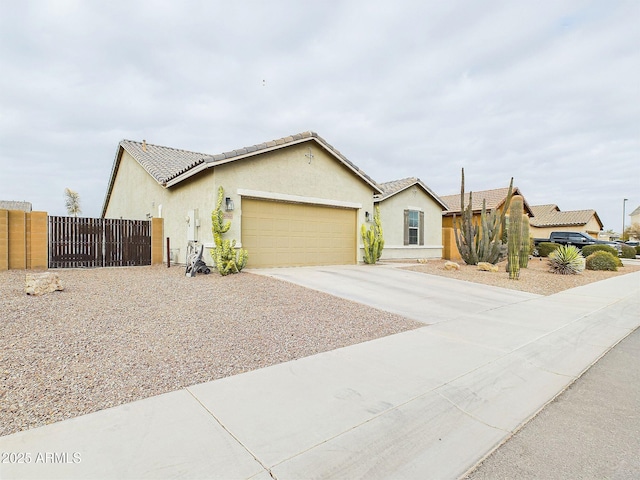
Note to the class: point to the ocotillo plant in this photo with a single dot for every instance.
(479, 241)
(372, 239)
(514, 239)
(526, 242)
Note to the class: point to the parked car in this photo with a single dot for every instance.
(578, 239)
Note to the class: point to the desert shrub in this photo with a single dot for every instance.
(566, 260)
(545, 248)
(638, 250)
(628, 251)
(601, 260)
(589, 249)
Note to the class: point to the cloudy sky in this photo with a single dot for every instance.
(547, 91)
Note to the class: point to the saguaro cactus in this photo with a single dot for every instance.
(372, 239)
(525, 242)
(514, 239)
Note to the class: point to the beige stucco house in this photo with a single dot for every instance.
(411, 215)
(635, 216)
(549, 218)
(494, 199)
(292, 201)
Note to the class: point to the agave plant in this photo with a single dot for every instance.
(566, 260)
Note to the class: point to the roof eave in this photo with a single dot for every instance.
(272, 148)
(426, 189)
(112, 178)
(185, 175)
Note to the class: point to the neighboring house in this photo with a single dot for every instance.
(494, 199)
(12, 205)
(292, 201)
(549, 218)
(635, 216)
(411, 215)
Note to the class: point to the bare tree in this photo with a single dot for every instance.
(72, 202)
(632, 231)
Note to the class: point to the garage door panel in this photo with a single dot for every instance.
(289, 234)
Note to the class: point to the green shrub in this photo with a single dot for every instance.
(566, 260)
(628, 251)
(589, 249)
(545, 248)
(601, 260)
(638, 250)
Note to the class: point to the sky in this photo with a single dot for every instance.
(547, 92)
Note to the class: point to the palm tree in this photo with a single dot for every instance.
(72, 202)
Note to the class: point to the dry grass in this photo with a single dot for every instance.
(536, 278)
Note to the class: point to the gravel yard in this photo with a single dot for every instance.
(536, 278)
(116, 335)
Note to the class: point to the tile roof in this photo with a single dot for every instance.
(553, 217)
(169, 166)
(541, 210)
(495, 198)
(166, 164)
(163, 163)
(396, 186)
(13, 205)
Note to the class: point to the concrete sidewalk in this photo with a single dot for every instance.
(428, 403)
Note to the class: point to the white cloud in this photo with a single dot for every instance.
(546, 91)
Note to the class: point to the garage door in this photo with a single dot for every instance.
(279, 234)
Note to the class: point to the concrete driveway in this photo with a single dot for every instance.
(425, 403)
(427, 298)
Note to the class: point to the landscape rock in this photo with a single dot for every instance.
(42, 283)
(487, 267)
(422, 260)
(451, 266)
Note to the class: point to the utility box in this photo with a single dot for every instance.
(193, 223)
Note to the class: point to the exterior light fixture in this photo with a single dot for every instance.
(367, 216)
(228, 203)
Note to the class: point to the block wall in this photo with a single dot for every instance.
(449, 247)
(23, 240)
(4, 240)
(157, 240)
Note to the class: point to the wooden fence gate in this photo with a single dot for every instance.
(98, 242)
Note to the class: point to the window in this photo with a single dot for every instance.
(414, 222)
(413, 227)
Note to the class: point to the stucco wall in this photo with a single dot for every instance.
(136, 194)
(283, 172)
(392, 216)
(289, 171)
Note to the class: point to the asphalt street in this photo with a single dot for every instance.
(592, 430)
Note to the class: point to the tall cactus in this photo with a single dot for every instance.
(525, 242)
(480, 241)
(218, 225)
(224, 254)
(372, 239)
(514, 239)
